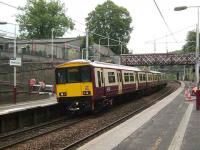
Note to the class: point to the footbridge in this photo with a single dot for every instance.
(158, 59)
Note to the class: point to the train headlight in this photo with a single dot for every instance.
(86, 93)
(62, 94)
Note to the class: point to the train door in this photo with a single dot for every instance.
(100, 80)
(136, 80)
(119, 79)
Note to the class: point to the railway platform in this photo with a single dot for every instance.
(170, 124)
(25, 114)
(21, 106)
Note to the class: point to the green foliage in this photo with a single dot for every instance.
(110, 20)
(39, 17)
(190, 46)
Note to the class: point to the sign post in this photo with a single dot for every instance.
(15, 62)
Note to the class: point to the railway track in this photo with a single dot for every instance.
(19, 136)
(11, 139)
(83, 140)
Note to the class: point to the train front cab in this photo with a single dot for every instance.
(74, 87)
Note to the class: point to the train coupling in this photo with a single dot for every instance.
(74, 107)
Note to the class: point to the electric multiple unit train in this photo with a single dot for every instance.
(86, 85)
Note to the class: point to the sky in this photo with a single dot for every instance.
(149, 35)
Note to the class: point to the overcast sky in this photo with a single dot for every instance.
(147, 22)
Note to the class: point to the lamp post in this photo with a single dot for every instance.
(14, 56)
(87, 45)
(197, 39)
(52, 30)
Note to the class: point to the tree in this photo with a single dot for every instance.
(110, 20)
(39, 17)
(190, 45)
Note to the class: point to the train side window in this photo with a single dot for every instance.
(126, 77)
(99, 78)
(144, 77)
(111, 77)
(131, 77)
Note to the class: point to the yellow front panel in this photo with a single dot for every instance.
(74, 89)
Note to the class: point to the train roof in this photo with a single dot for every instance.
(104, 65)
(99, 64)
(155, 72)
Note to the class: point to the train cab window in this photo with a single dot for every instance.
(73, 75)
(61, 77)
(85, 74)
(111, 77)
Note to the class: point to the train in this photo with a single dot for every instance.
(83, 85)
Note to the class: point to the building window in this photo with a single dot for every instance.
(111, 77)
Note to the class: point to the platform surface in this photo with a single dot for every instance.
(11, 108)
(170, 124)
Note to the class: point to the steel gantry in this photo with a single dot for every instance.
(158, 59)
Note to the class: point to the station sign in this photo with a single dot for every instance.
(15, 62)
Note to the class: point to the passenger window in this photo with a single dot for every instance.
(111, 77)
(126, 77)
(131, 77)
(141, 79)
(144, 77)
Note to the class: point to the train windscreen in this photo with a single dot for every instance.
(61, 76)
(73, 75)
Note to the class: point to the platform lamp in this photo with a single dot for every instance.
(14, 56)
(197, 40)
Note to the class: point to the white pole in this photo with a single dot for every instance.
(14, 88)
(82, 54)
(87, 44)
(184, 73)
(154, 46)
(99, 50)
(52, 30)
(197, 50)
(108, 41)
